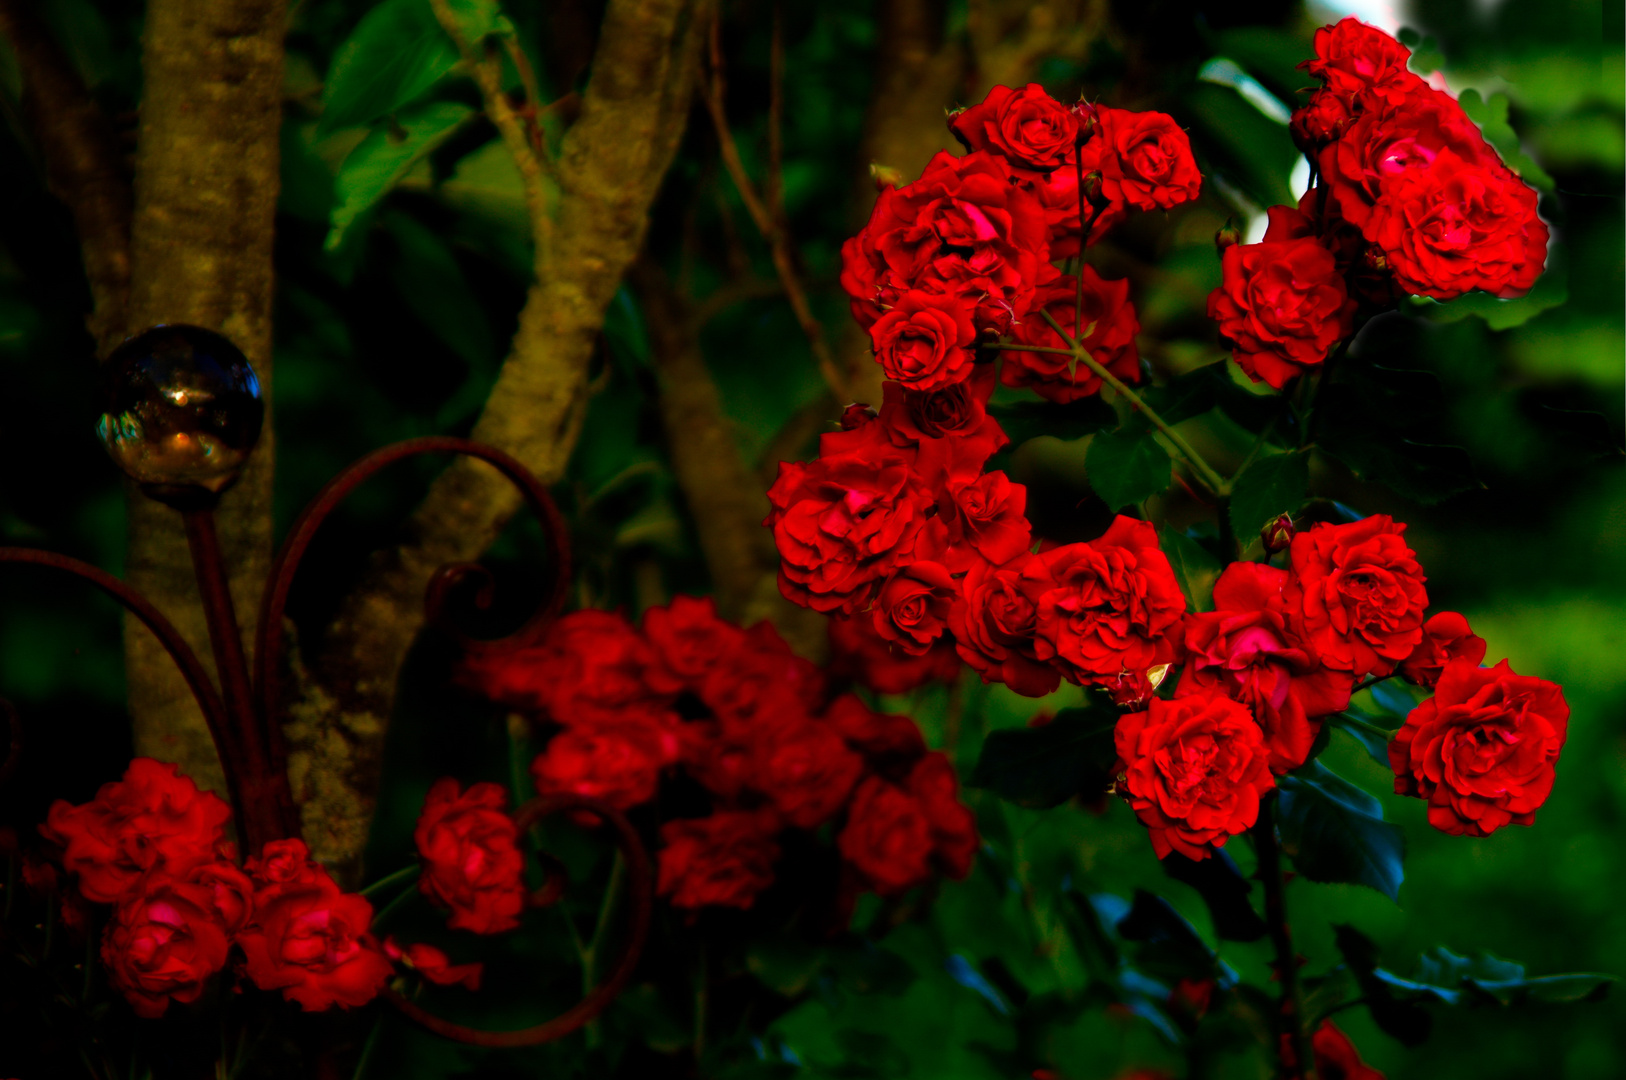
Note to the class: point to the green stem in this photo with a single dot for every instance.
(403, 874)
(390, 908)
(594, 948)
(1290, 1014)
(367, 1047)
(1205, 472)
(1367, 684)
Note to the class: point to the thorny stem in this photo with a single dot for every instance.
(1367, 684)
(1205, 472)
(767, 223)
(1290, 1016)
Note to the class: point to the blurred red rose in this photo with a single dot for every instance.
(472, 862)
(1482, 750)
(806, 771)
(689, 638)
(897, 832)
(591, 665)
(1193, 770)
(880, 737)
(723, 860)
(154, 818)
(164, 940)
(619, 761)
(859, 653)
(995, 624)
(434, 965)
(1356, 595)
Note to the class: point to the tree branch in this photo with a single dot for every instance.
(81, 163)
(610, 167)
(206, 182)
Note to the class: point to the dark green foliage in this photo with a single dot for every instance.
(1044, 766)
(1127, 466)
(1335, 831)
(1272, 485)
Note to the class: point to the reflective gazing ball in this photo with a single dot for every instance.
(181, 412)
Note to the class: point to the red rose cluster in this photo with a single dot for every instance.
(1284, 648)
(755, 725)
(154, 847)
(1409, 199)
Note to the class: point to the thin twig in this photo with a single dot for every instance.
(777, 238)
(486, 71)
(776, 109)
(1211, 479)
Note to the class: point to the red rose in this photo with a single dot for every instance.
(859, 653)
(995, 625)
(230, 892)
(723, 860)
(895, 833)
(842, 523)
(963, 230)
(592, 664)
(983, 520)
(1027, 127)
(1244, 650)
(912, 608)
(310, 941)
(1457, 225)
(924, 342)
(1145, 159)
(1336, 1057)
(1482, 749)
(1353, 58)
(688, 637)
(1356, 597)
(619, 761)
(1057, 192)
(1321, 120)
(1381, 144)
(880, 737)
(1105, 607)
(946, 435)
(1446, 639)
(1282, 305)
(285, 861)
(806, 771)
(154, 818)
(1193, 769)
(763, 686)
(1109, 325)
(472, 863)
(434, 965)
(164, 940)
(722, 764)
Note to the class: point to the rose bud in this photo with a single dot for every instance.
(885, 176)
(1092, 189)
(1229, 235)
(1089, 122)
(1277, 535)
(856, 416)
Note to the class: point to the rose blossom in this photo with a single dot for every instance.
(1282, 304)
(154, 818)
(1457, 225)
(858, 652)
(896, 832)
(763, 686)
(1354, 58)
(911, 610)
(1105, 607)
(434, 965)
(689, 638)
(995, 624)
(1482, 750)
(883, 738)
(963, 230)
(723, 860)
(618, 761)
(981, 520)
(1109, 333)
(1193, 769)
(1245, 650)
(165, 939)
(1446, 638)
(310, 941)
(1027, 127)
(281, 862)
(843, 522)
(924, 341)
(1145, 159)
(806, 771)
(1356, 595)
(472, 863)
(592, 664)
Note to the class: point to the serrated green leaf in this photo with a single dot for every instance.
(1127, 466)
(394, 55)
(1551, 290)
(1273, 485)
(1491, 116)
(1045, 766)
(383, 158)
(1335, 832)
(1194, 568)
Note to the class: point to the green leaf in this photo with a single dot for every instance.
(1040, 767)
(1421, 472)
(1223, 889)
(1373, 739)
(394, 55)
(784, 964)
(1491, 116)
(1024, 420)
(1187, 395)
(1551, 290)
(479, 19)
(1170, 946)
(1490, 980)
(1127, 466)
(1335, 832)
(1194, 568)
(1272, 485)
(383, 157)
(1392, 1003)
(427, 276)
